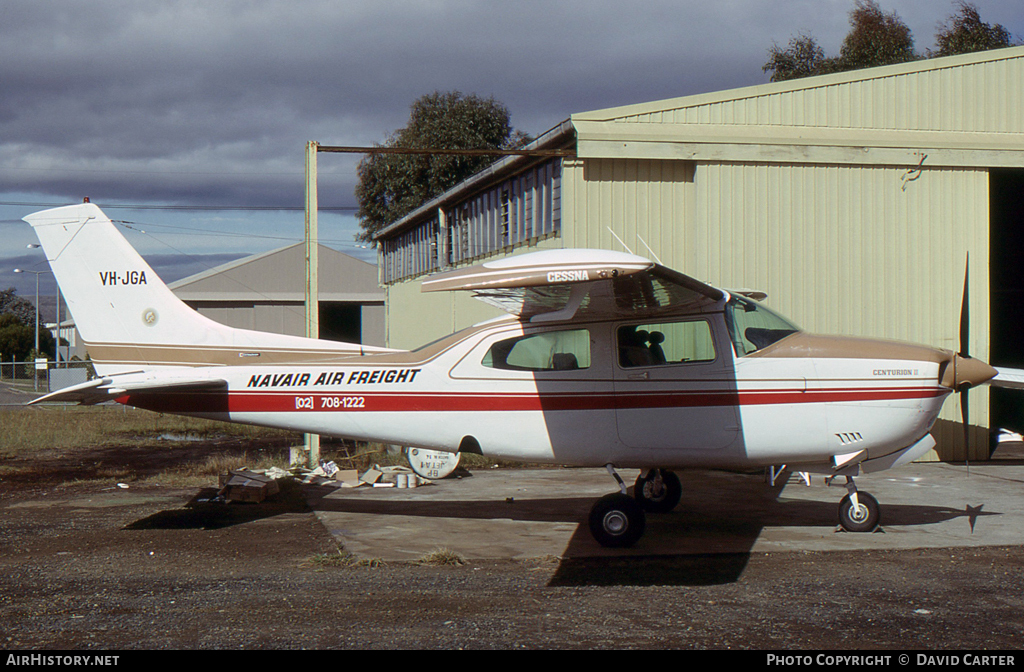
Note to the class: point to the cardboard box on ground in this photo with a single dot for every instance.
(253, 486)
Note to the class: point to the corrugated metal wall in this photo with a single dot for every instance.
(863, 251)
(853, 250)
(861, 247)
(643, 202)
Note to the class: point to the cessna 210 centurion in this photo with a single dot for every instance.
(605, 359)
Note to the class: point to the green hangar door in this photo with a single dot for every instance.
(1006, 255)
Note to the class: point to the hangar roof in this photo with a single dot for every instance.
(958, 110)
(279, 276)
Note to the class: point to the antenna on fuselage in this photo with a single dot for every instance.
(619, 239)
(649, 249)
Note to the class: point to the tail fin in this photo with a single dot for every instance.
(130, 320)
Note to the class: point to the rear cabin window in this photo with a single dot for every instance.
(547, 351)
(666, 343)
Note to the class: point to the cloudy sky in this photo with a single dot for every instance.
(188, 119)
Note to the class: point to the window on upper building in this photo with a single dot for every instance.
(520, 209)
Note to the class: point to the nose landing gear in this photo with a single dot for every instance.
(858, 511)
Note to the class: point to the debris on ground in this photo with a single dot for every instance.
(243, 485)
(376, 476)
(255, 485)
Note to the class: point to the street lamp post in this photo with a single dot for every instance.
(56, 347)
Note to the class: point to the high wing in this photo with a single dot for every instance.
(588, 284)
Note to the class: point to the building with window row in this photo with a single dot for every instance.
(860, 202)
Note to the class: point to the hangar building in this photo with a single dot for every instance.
(855, 200)
(266, 292)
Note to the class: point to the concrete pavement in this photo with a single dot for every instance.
(524, 513)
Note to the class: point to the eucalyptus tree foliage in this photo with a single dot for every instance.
(21, 308)
(392, 185)
(879, 38)
(964, 32)
(875, 38)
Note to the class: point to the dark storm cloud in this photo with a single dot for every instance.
(212, 102)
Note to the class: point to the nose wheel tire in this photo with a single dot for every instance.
(864, 517)
(617, 521)
(658, 492)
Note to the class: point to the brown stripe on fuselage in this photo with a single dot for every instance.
(233, 355)
(802, 344)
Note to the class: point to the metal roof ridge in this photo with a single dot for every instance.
(804, 83)
(237, 263)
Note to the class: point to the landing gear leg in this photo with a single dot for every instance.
(617, 520)
(858, 511)
(658, 490)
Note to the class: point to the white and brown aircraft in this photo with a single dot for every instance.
(605, 359)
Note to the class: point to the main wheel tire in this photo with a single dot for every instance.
(617, 521)
(863, 518)
(658, 495)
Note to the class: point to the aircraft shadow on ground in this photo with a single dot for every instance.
(202, 513)
(707, 540)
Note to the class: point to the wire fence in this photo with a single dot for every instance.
(45, 375)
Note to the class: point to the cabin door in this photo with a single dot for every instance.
(675, 386)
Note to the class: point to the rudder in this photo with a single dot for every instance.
(129, 318)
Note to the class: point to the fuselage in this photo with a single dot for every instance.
(605, 358)
(671, 392)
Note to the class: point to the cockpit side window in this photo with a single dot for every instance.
(665, 343)
(753, 327)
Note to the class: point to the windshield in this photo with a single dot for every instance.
(753, 326)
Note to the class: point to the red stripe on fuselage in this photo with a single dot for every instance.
(283, 402)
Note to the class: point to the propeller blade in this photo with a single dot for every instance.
(965, 332)
(965, 313)
(964, 415)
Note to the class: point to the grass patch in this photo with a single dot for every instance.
(28, 431)
(82, 445)
(341, 558)
(442, 557)
(208, 470)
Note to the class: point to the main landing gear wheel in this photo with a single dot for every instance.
(864, 517)
(658, 491)
(617, 521)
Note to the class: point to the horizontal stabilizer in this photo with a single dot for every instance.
(107, 389)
